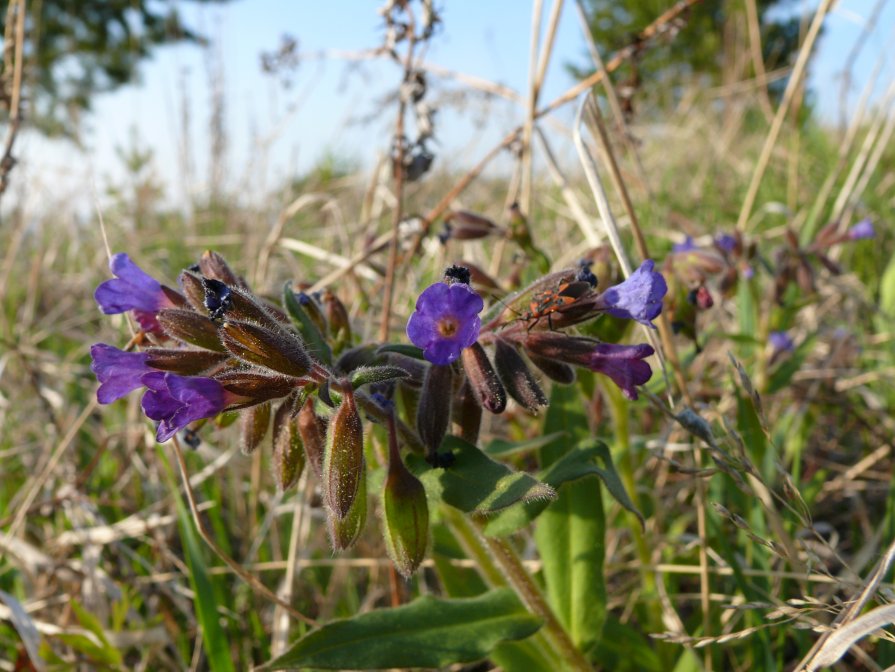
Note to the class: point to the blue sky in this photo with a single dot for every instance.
(274, 132)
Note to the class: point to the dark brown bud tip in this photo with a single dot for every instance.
(190, 327)
(191, 284)
(212, 265)
(483, 379)
(277, 350)
(343, 460)
(518, 379)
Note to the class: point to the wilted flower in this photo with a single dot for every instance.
(118, 372)
(132, 289)
(446, 321)
(176, 401)
(637, 298)
(861, 230)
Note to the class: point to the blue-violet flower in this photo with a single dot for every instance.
(132, 289)
(118, 372)
(446, 321)
(726, 243)
(687, 246)
(780, 341)
(861, 230)
(623, 364)
(639, 297)
(176, 401)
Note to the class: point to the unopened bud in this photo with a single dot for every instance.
(483, 379)
(247, 307)
(434, 411)
(190, 327)
(186, 362)
(191, 284)
(467, 414)
(276, 350)
(288, 452)
(343, 460)
(405, 512)
(254, 424)
(337, 317)
(519, 381)
(212, 265)
(465, 225)
(556, 371)
(312, 429)
(255, 385)
(343, 532)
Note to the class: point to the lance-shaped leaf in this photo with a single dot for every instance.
(376, 374)
(306, 325)
(428, 632)
(476, 483)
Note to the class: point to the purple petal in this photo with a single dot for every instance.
(862, 230)
(442, 352)
(780, 341)
(639, 297)
(445, 321)
(176, 401)
(726, 242)
(131, 289)
(687, 246)
(119, 372)
(623, 364)
(464, 302)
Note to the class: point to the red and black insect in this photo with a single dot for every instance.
(545, 303)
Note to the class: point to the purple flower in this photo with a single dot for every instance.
(861, 230)
(639, 297)
(687, 246)
(446, 321)
(726, 243)
(132, 289)
(176, 401)
(780, 341)
(119, 372)
(624, 364)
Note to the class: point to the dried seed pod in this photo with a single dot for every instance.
(343, 532)
(186, 362)
(343, 459)
(212, 265)
(405, 512)
(190, 327)
(483, 379)
(288, 451)
(312, 429)
(434, 411)
(273, 349)
(254, 423)
(519, 381)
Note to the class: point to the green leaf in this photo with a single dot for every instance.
(401, 349)
(565, 416)
(214, 642)
(476, 483)
(305, 325)
(570, 536)
(625, 649)
(887, 290)
(588, 458)
(428, 632)
(106, 653)
(501, 447)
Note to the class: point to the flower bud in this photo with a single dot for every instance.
(254, 422)
(465, 225)
(343, 532)
(212, 265)
(519, 381)
(556, 371)
(256, 386)
(343, 459)
(191, 284)
(186, 362)
(288, 452)
(483, 380)
(246, 306)
(312, 430)
(405, 512)
(275, 350)
(190, 327)
(434, 411)
(467, 413)
(337, 317)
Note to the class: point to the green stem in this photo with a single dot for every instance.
(500, 566)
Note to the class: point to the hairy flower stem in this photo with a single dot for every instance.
(500, 566)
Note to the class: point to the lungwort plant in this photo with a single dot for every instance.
(212, 349)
